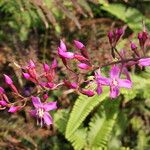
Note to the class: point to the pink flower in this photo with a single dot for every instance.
(41, 111)
(144, 62)
(115, 82)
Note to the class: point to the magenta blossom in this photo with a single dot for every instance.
(114, 82)
(41, 111)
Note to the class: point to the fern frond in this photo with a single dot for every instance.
(102, 124)
(78, 139)
(82, 107)
(60, 119)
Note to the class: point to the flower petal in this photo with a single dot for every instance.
(36, 102)
(144, 62)
(114, 72)
(114, 91)
(63, 46)
(50, 106)
(125, 83)
(99, 89)
(33, 113)
(47, 118)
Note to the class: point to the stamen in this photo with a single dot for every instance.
(114, 82)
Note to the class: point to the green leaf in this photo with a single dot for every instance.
(60, 119)
(78, 139)
(82, 107)
(129, 15)
(102, 124)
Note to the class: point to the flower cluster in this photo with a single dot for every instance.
(46, 80)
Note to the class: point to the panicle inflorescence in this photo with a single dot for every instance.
(45, 80)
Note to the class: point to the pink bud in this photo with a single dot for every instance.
(89, 93)
(8, 80)
(1, 90)
(3, 103)
(120, 31)
(63, 46)
(134, 49)
(110, 36)
(50, 85)
(145, 36)
(133, 46)
(26, 75)
(71, 85)
(46, 67)
(54, 64)
(45, 96)
(140, 35)
(84, 66)
(80, 57)
(14, 109)
(78, 44)
(118, 34)
(63, 54)
(14, 88)
(31, 64)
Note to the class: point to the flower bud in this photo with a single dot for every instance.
(31, 64)
(110, 36)
(45, 96)
(54, 64)
(89, 93)
(79, 57)
(26, 75)
(8, 80)
(1, 90)
(14, 109)
(3, 103)
(63, 54)
(84, 66)
(133, 46)
(63, 46)
(78, 45)
(71, 85)
(46, 67)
